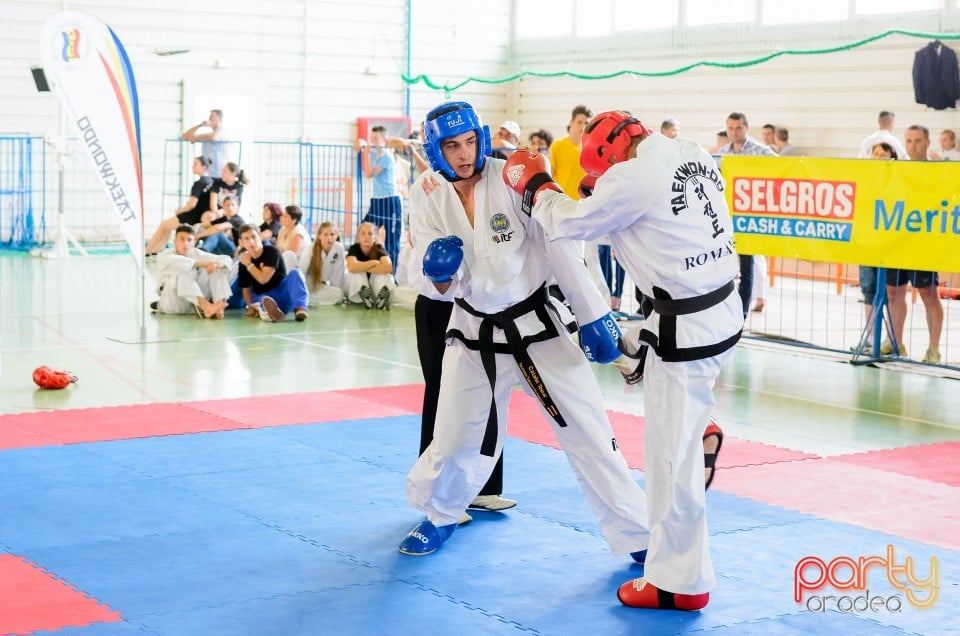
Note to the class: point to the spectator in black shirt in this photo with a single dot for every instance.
(190, 213)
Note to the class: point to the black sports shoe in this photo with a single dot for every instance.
(367, 297)
(155, 305)
(383, 299)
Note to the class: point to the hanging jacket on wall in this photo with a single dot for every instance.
(936, 78)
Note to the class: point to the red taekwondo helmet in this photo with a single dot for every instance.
(608, 134)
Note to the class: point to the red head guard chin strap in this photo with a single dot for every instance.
(609, 134)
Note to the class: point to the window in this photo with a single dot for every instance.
(544, 18)
(630, 15)
(594, 18)
(700, 12)
(779, 12)
(868, 7)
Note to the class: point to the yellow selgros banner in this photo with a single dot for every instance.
(894, 214)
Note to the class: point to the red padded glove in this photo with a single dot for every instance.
(47, 378)
(586, 186)
(528, 174)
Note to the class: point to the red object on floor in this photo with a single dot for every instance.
(32, 600)
(933, 462)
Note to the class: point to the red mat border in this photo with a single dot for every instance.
(32, 599)
(769, 474)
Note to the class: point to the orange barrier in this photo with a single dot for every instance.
(322, 188)
(840, 273)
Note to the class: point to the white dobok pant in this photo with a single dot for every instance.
(678, 402)
(356, 280)
(452, 470)
(180, 291)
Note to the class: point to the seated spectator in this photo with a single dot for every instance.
(326, 274)
(220, 235)
(270, 227)
(293, 241)
(190, 280)
(229, 184)
(369, 269)
(190, 212)
(268, 290)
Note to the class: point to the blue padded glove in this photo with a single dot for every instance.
(599, 339)
(442, 259)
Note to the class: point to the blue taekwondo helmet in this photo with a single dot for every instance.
(449, 120)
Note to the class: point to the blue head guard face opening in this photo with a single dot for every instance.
(449, 120)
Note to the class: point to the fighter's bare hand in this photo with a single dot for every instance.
(430, 184)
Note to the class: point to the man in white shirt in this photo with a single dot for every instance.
(884, 133)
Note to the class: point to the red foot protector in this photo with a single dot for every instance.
(32, 600)
(639, 593)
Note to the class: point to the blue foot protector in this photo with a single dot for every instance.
(425, 538)
(640, 556)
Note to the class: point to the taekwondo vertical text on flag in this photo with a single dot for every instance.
(92, 76)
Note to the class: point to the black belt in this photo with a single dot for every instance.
(516, 346)
(666, 306)
(665, 342)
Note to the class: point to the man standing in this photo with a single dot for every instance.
(661, 201)
(565, 153)
(484, 254)
(506, 139)
(741, 144)
(670, 127)
(770, 137)
(917, 140)
(565, 168)
(386, 205)
(782, 139)
(884, 132)
(213, 145)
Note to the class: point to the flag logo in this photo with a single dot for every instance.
(70, 50)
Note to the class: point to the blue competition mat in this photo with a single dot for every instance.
(294, 530)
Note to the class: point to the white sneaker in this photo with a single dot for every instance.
(272, 309)
(493, 503)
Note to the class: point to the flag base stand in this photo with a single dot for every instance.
(61, 247)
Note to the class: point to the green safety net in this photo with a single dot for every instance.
(449, 88)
